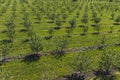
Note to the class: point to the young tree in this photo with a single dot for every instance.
(117, 60)
(72, 22)
(106, 62)
(113, 15)
(81, 65)
(27, 24)
(94, 14)
(13, 14)
(39, 17)
(102, 43)
(30, 32)
(84, 20)
(61, 44)
(51, 31)
(10, 29)
(52, 17)
(58, 23)
(36, 44)
(111, 29)
(10, 33)
(64, 16)
(77, 13)
(5, 49)
(97, 28)
(117, 20)
(85, 29)
(69, 31)
(97, 20)
(26, 16)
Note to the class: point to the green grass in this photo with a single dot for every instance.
(47, 68)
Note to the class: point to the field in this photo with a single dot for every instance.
(59, 40)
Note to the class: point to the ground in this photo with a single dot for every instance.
(48, 67)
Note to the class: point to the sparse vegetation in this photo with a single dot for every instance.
(54, 39)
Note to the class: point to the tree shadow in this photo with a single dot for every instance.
(3, 31)
(110, 32)
(95, 33)
(26, 40)
(93, 25)
(116, 23)
(118, 68)
(37, 22)
(57, 28)
(117, 44)
(47, 37)
(31, 58)
(73, 76)
(23, 30)
(103, 75)
(118, 30)
(5, 41)
(83, 34)
(101, 47)
(51, 22)
(81, 26)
